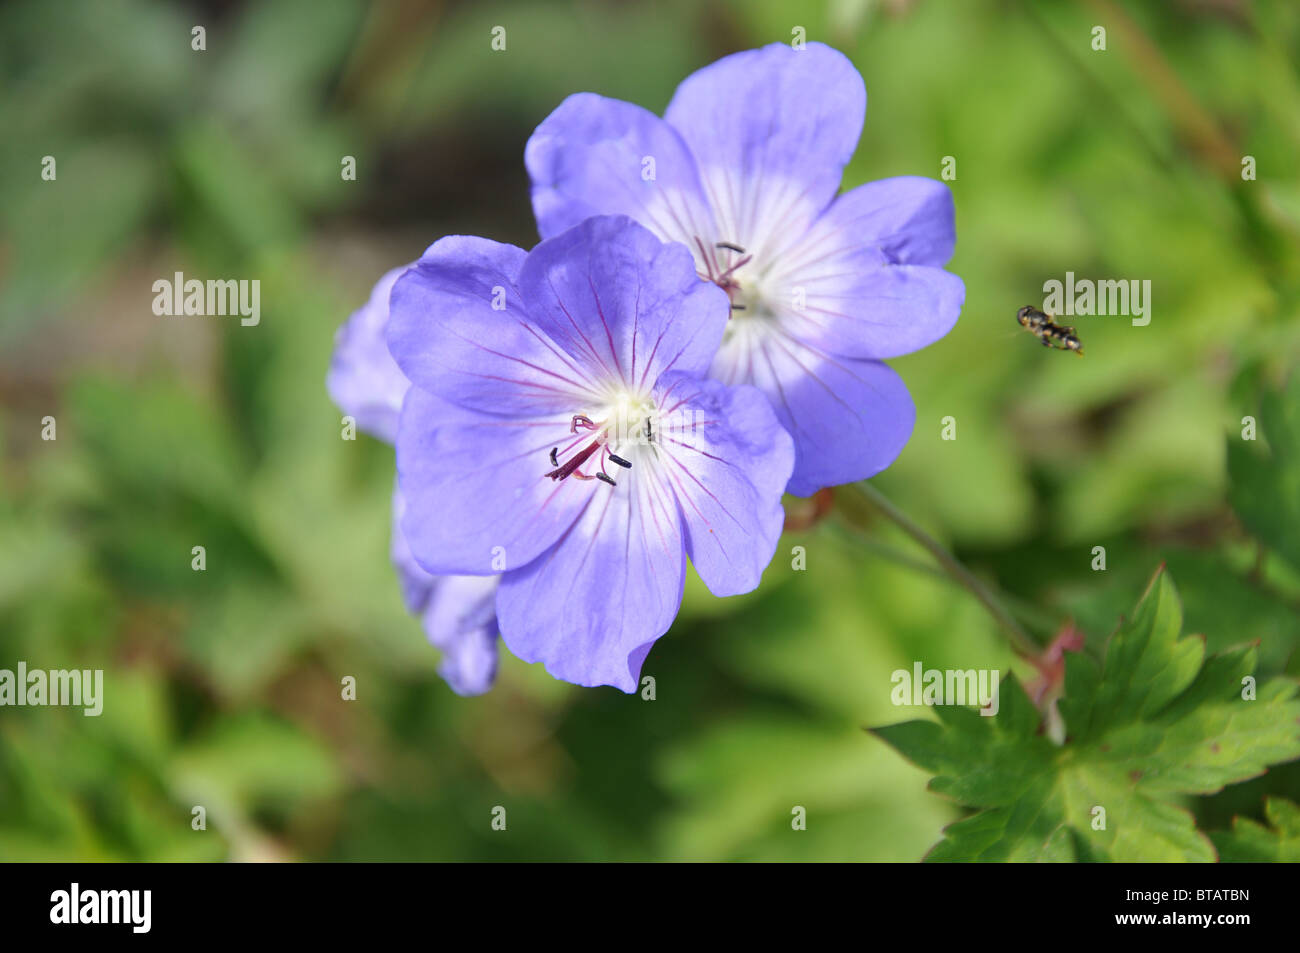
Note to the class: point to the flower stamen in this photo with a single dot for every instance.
(571, 467)
(723, 277)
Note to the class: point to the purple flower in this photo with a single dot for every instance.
(561, 430)
(363, 379)
(744, 169)
(457, 611)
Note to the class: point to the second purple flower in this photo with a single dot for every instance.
(743, 170)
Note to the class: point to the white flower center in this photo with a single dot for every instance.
(608, 435)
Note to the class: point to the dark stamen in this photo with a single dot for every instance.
(728, 245)
(606, 479)
(620, 461)
(737, 307)
(554, 460)
(574, 462)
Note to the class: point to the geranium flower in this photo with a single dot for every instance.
(743, 170)
(364, 380)
(560, 429)
(457, 612)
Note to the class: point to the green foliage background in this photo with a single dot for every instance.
(223, 686)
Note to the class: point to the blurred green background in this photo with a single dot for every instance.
(223, 686)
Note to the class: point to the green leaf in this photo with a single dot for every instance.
(1153, 722)
(1252, 842)
(1265, 486)
(739, 780)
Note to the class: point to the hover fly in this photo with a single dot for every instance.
(1042, 326)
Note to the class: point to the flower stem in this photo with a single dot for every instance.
(1021, 642)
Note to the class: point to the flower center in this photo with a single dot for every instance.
(721, 264)
(626, 421)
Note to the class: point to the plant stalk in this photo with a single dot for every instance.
(1021, 641)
